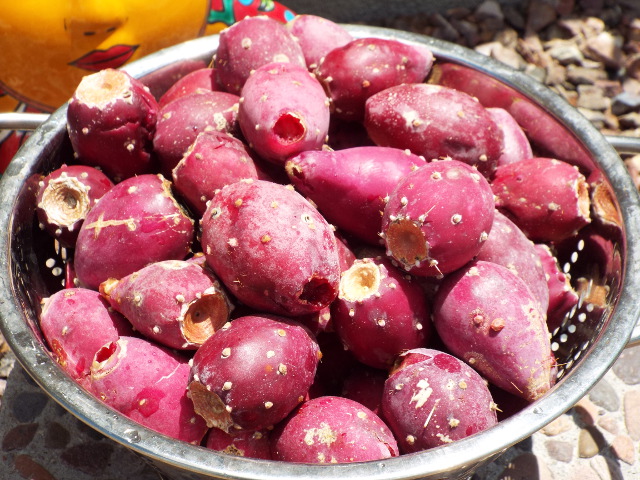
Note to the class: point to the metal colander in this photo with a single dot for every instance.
(603, 263)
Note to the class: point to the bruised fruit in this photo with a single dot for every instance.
(177, 303)
(111, 121)
(503, 337)
(271, 248)
(332, 430)
(429, 225)
(435, 400)
(253, 372)
(122, 233)
(64, 198)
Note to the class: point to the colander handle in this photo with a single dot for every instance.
(21, 121)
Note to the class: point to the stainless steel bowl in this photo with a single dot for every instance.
(587, 344)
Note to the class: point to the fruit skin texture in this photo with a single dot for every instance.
(429, 225)
(271, 248)
(502, 335)
(283, 111)
(435, 122)
(353, 199)
(213, 160)
(253, 372)
(136, 223)
(332, 429)
(508, 246)
(64, 198)
(516, 144)
(250, 43)
(76, 323)
(180, 122)
(379, 312)
(435, 399)
(111, 121)
(176, 303)
(147, 383)
(317, 36)
(365, 66)
(244, 443)
(547, 198)
(193, 82)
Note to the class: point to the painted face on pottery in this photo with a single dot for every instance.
(47, 46)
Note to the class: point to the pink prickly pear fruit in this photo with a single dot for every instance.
(344, 134)
(213, 160)
(180, 122)
(332, 429)
(335, 366)
(283, 111)
(111, 121)
(76, 323)
(506, 341)
(365, 66)
(119, 235)
(250, 43)
(241, 443)
(64, 198)
(547, 198)
(435, 122)
(202, 79)
(380, 312)
(516, 145)
(430, 226)
(253, 372)
(352, 201)
(317, 36)
(562, 296)
(248, 232)
(148, 384)
(176, 303)
(436, 401)
(365, 385)
(508, 246)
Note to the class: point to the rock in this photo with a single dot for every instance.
(525, 467)
(590, 442)
(609, 423)
(624, 449)
(560, 450)
(605, 48)
(592, 98)
(631, 405)
(581, 471)
(579, 75)
(489, 9)
(565, 52)
(624, 103)
(606, 468)
(630, 120)
(560, 425)
(604, 395)
(540, 14)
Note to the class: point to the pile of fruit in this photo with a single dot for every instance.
(308, 251)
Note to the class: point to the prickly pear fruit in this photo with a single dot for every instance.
(504, 338)
(111, 121)
(283, 111)
(547, 198)
(148, 384)
(250, 43)
(317, 36)
(429, 225)
(332, 429)
(435, 122)
(213, 160)
(562, 296)
(177, 303)
(435, 401)
(243, 443)
(248, 232)
(365, 385)
(352, 200)
(253, 372)
(64, 198)
(508, 246)
(380, 312)
(119, 235)
(202, 79)
(516, 145)
(76, 323)
(365, 66)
